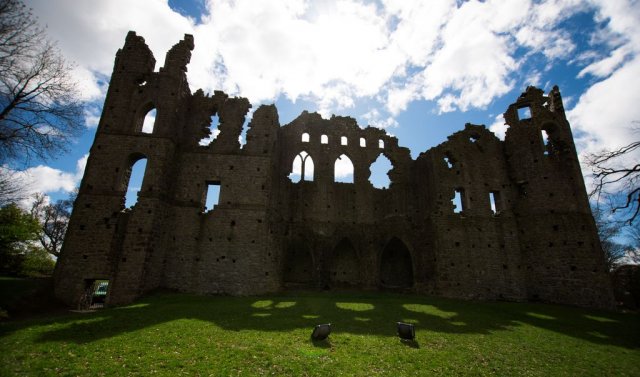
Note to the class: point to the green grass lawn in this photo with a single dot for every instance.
(175, 334)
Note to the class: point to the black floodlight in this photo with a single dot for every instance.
(321, 332)
(406, 331)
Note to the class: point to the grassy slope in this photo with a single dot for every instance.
(172, 334)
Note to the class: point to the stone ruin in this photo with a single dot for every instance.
(524, 230)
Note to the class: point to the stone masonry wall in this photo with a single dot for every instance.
(521, 231)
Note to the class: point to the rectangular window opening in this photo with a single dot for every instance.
(496, 203)
(524, 113)
(213, 196)
(458, 205)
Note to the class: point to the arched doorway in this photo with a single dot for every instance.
(298, 266)
(396, 268)
(345, 268)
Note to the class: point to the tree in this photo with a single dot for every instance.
(54, 219)
(37, 262)
(617, 178)
(609, 230)
(633, 235)
(17, 229)
(12, 187)
(40, 109)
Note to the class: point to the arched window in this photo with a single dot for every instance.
(380, 169)
(149, 121)
(134, 177)
(343, 169)
(324, 139)
(546, 145)
(380, 144)
(302, 168)
(305, 137)
(363, 142)
(343, 140)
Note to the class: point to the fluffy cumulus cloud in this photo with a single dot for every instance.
(328, 52)
(498, 127)
(339, 54)
(461, 55)
(606, 115)
(45, 179)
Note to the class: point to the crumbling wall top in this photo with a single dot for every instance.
(179, 56)
(134, 56)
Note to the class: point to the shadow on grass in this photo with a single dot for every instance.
(365, 314)
(27, 297)
(326, 343)
(410, 343)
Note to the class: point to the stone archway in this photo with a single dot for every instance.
(396, 267)
(344, 270)
(298, 266)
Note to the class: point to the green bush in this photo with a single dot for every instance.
(18, 229)
(37, 262)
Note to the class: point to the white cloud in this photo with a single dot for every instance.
(498, 127)
(606, 114)
(90, 32)
(104, 24)
(91, 118)
(45, 179)
(460, 55)
(374, 118)
(322, 52)
(331, 53)
(80, 166)
(473, 56)
(604, 67)
(608, 108)
(474, 63)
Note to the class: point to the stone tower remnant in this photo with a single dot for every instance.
(524, 230)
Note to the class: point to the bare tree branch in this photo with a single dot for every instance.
(617, 179)
(40, 107)
(609, 231)
(12, 187)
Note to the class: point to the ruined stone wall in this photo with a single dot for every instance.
(270, 232)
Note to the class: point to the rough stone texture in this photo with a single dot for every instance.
(268, 233)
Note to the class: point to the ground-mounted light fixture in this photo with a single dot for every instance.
(406, 331)
(321, 332)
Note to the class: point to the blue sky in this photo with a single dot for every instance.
(418, 69)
